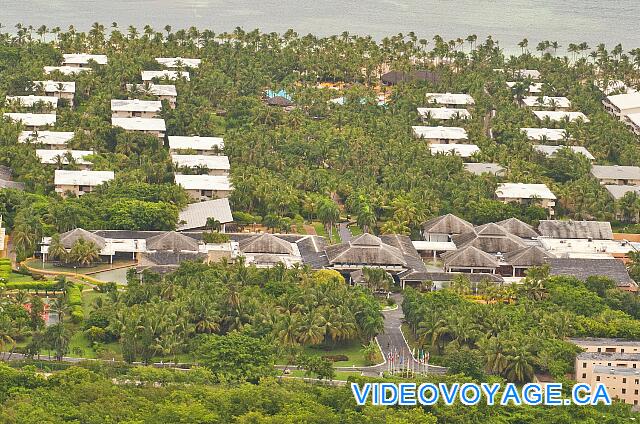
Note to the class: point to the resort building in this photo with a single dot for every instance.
(205, 187)
(490, 238)
(160, 75)
(585, 362)
(33, 121)
(443, 228)
(135, 108)
(195, 145)
(79, 182)
(534, 89)
(554, 103)
(442, 113)
(195, 215)
(153, 126)
(54, 140)
(621, 383)
(65, 157)
(557, 116)
(485, 168)
(441, 135)
(213, 165)
(463, 150)
(538, 194)
(546, 134)
(178, 62)
(633, 121)
(60, 89)
(31, 101)
(551, 151)
(451, 100)
(65, 70)
(613, 87)
(162, 92)
(617, 192)
(616, 174)
(593, 230)
(621, 105)
(470, 260)
(583, 268)
(82, 60)
(606, 345)
(518, 228)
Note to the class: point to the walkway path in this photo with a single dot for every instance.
(343, 231)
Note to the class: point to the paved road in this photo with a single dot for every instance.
(343, 231)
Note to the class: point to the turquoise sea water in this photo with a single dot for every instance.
(565, 21)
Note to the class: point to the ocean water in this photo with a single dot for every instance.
(508, 21)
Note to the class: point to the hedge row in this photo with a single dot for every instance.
(33, 285)
(5, 268)
(74, 300)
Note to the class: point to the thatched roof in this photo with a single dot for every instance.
(70, 237)
(266, 243)
(576, 229)
(395, 77)
(518, 228)
(469, 257)
(172, 240)
(447, 224)
(529, 256)
(474, 278)
(365, 249)
(279, 101)
(490, 238)
(584, 268)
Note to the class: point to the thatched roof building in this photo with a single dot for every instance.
(279, 101)
(595, 230)
(527, 257)
(266, 243)
(448, 224)
(70, 237)
(490, 238)
(518, 228)
(585, 268)
(365, 250)
(173, 241)
(469, 258)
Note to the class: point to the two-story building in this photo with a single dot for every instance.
(54, 140)
(60, 89)
(166, 74)
(153, 126)
(33, 121)
(79, 182)
(616, 174)
(441, 135)
(162, 92)
(83, 60)
(205, 187)
(135, 108)
(536, 194)
(213, 165)
(196, 145)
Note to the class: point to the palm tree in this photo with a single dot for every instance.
(519, 367)
(84, 252)
(366, 218)
(56, 249)
(328, 213)
(377, 279)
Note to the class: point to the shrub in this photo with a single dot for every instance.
(215, 237)
(77, 314)
(46, 285)
(336, 358)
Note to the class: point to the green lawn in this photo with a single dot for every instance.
(37, 264)
(322, 232)
(352, 350)
(340, 375)
(355, 230)
(19, 278)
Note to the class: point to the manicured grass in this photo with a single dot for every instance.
(88, 298)
(340, 375)
(19, 278)
(37, 264)
(322, 232)
(352, 350)
(355, 230)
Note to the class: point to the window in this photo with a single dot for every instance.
(598, 378)
(610, 349)
(622, 350)
(624, 391)
(635, 392)
(599, 350)
(584, 375)
(584, 365)
(624, 380)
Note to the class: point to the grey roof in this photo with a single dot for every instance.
(603, 341)
(597, 356)
(11, 184)
(583, 268)
(616, 172)
(490, 238)
(195, 215)
(365, 249)
(484, 168)
(619, 191)
(416, 266)
(70, 237)
(518, 228)
(469, 257)
(266, 243)
(172, 240)
(597, 230)
(602, 369)
(279, 101)
(447, 224)
(474, 278)
(528, 256)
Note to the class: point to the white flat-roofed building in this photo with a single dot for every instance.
(616, 174)
(65, 70)
(179, 144)
(153, 126)
(558, 115)
(451, 100)
(613, 86)
(484, 168)
(522, 73)
(533, 89)
(135, 108)
(621, 105)
(49, 139)
(633, 121)
(80, 182)
(555, 103)
(60, 89)
(205, 187)
(166, 92)
(216, 165)
(171, 75)
(31, 100)
(81, 60)
(33, 121)
(441, 135)
(552, 150)
(177, 62)
(462, 150)
(54, 157)
(527, 194)
(548, 134)
(617, 192)
(443, 113)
